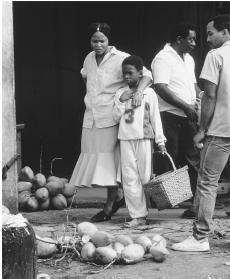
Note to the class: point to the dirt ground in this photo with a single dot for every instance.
(178, 265)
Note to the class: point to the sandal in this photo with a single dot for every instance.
(101, 217)
(117, 205)
(136, 222)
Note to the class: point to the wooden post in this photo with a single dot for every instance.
(9, 150)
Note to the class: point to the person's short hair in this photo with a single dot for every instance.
(221, 22)
(181, 30)
(101, 27)
(135, 61)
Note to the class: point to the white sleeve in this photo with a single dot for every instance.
(211, 68)
(155, 120)
(193, 72)
(118, 107)
(161, 70)
(147, 73)
(84, 68)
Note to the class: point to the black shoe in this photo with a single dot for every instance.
(117, 205)
(188, 214)
(101, 217)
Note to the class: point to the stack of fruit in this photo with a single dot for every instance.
(101, 247)
(35, 192)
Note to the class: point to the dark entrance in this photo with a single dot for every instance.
(51, 42)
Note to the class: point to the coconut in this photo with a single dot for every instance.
(124, 239)
(32, 204)
(24, 186)
(55, 187)
(144, 241)
(105, 254)
(88, 251)
(86, 228)
(53, 177)
(39, 180)
(44, 205)
(101, 239)
(58, 202)
(26, 174)
(159, 253)
(45, 247)
(118, 247)
(68, 190)
(42, 194)
(23, 198)
(132, 253)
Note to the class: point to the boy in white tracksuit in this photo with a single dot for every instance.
(137, 129)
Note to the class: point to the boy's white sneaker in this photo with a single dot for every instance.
(192, 245)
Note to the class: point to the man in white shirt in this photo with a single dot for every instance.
(214, 131)
(176, 86)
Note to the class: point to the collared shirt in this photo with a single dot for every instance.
(102, 82)
(143, 122)
(169, 68)
(216, 69)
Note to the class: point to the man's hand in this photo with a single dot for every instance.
(137, 98)
(198, 139)
(191, 112)
(162, 149)
(126, 95)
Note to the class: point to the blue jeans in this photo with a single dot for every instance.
(214, 156)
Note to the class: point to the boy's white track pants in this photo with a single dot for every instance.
(136, 170)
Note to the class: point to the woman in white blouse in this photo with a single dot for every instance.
(98, 163)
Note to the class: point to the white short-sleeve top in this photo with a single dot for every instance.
(179, 74)
(216, 69)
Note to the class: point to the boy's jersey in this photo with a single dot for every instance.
(143, 122)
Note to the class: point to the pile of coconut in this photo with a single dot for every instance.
(100, 247)
(36, 192)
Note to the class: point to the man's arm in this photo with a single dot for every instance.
(207, 110)
(168, 95)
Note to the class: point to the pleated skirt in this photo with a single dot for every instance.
(99, 161)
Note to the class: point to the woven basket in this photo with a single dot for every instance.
(171, 188)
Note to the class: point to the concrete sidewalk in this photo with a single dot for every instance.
(167, 222)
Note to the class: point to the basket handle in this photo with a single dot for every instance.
(169, 157)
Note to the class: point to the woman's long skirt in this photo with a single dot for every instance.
(99, 161)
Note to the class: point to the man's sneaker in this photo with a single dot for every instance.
(192, 245)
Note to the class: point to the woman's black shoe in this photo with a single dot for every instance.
(101, 217)
(117, 205)
(189, 214)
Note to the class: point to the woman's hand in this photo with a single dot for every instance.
(126, 95)
(137, 98)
